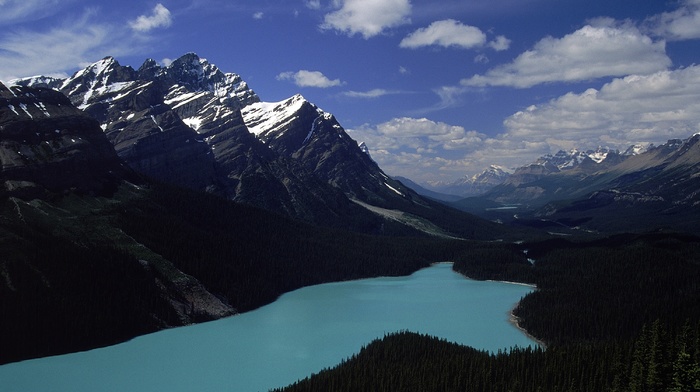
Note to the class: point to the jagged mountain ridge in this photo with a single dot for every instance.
(472, 185)
(657, 187)
(573, 161)
(49, 146)
(572, 175)
(190, 124)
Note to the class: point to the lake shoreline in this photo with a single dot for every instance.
(512, 318)
(515, 321)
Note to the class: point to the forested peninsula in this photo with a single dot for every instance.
(617, 314)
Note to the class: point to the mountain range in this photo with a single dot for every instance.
(140, 199)
(115, 220)
(192, 125)
(601, 190)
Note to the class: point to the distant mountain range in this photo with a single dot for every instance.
(469, 186)
(602, 190)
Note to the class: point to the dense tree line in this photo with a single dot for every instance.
(59, 296)
(617, 314)
(406, 361)
(608, 289)
(70, 281)
(250, 257)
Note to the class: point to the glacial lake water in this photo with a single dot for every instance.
(301, 333)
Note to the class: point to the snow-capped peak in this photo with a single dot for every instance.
(268, 117)
(564, 160)
(98, 68)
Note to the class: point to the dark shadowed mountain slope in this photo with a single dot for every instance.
(641, 189)
(191, 125)
(49, 146)
(657, 189)
(91, 259)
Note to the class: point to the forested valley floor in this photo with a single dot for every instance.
(81, 272)
(616, 314)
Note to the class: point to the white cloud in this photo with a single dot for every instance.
(481, 59)
(304, 78)
(60, 49)
(420, 134)
(445, 33)
(374, 93)
(681, 24)
(367, 17)
(403, 145)
(313, 4)
(501, 43)
(634, 109)
(160, 17)
(258, 15)
(594, 51)
(14, 11)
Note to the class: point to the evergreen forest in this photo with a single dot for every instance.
(615, 314)
(79, 271)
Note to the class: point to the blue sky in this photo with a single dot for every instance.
(438, 89)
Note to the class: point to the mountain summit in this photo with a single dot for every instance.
(190, 124)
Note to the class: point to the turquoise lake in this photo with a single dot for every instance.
(301, 333)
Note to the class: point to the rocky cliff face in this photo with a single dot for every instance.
(192, 125)
(49, 146)
(298, 130)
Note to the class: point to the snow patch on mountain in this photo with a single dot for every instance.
(263, 118)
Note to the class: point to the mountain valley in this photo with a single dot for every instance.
(191, 125)
(136, 200)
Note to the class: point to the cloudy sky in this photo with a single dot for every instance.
(438, 89)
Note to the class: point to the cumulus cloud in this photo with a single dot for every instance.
(598, 50)
(403, 144)
(681, 24)
(258, 15)
(426, 150)
(304, 78)
(313, 4)
(629, 110)
(419, 134)
(499, 44)
(367, 17)
(445, 33)
(160, 17)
